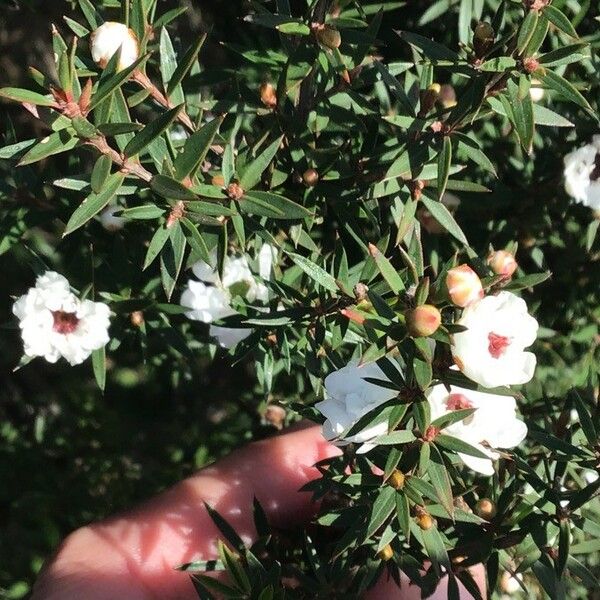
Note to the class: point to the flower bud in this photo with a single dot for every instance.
(235, 191)
(423, 320)
(464, 285)
(106, 41)
(396, 479)
(483, 38)
(531, 64)
(486, 509)
(268, 95)
(425, 521)
(536, 91)
(328, 36)
(310, 177)
(502, 263)
(429, 97)
(218, 180)
(447, 97)
(137, 318)
(385, 553)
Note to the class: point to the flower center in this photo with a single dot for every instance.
(458, 402)
(64, 322)
(497, 344)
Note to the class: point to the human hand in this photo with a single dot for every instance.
(132, 556)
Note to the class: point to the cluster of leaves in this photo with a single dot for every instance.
(331, 152)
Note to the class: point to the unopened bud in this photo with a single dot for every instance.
(423, 320)
(425, 521)
(106, 41)
(447, 96)
(275, 415)
(328, 36)
(268, 95)
(385, 553)
(360, 291)
(396, 479)
(235, 191)
(218, 180)
(486, 509)
(530, 64)
(137, 318)
(310, 177)
(536, 91)
(464, 285)
(429, 97)
(502, 263)
(483, 38)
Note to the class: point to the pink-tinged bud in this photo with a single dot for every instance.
(464, 285)
(423, 320)
(502, 263)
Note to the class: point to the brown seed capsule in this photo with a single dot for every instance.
(385, 553)
(425, 521)
(396, 479)
(423, 320)
(137, 318)
(428, 97)
(328, 36)
(268, 95)
(235, 191)
(310, 177)
(486, 509)
(483, 38)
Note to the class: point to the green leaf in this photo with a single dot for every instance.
(171, 259)
(564, 88)
(457, 445)
(381, 509)
(100, 173)
(521, 106)
(443, 216)
(146, 211)
(395, 437)
(253, 172)
(441, 481)
(431, 49)
(452, 417)
(159, 239)
(94, 203)
(559, 20)
(563, 56)
(99, 366)
(55, 143)
(545, 116)
(316, 273)
(268, 204)
(196, 241)
(21, 95)
(395, 87)
(444, 162)
(151, 131)
(585, 419)
(502, 63)
(168, 64)
(170, 188)
(390, 273)
(526, 30)
(185, 64)
(89, 12)
(195, 148)
(106, 88)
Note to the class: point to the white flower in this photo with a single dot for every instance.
(494, 423)
(106, 41)
(491, 351)
(210, 299)
(109, 221)
(582, 174)
(55, 323)
(348, 397)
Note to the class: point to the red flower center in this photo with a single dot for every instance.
(64, 322)
(458, 402)
(498, 344)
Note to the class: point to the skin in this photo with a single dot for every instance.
(131, 556)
